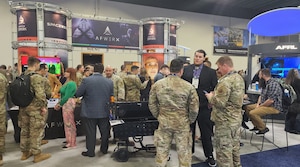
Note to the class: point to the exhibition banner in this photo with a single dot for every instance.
(153, 34)
(27, 25)
(55, 27)
(172, 35)
(97, 33)
(232, 40)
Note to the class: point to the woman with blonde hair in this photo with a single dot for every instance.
(68, 103)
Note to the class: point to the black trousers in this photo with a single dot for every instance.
(104, 128)
(206, 131)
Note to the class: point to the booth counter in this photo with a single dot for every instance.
(54, 127)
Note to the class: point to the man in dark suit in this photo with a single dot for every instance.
(96, 91)
(203, 79)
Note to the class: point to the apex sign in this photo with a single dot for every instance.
(286, 47)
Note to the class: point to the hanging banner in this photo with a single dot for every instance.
(153, 35)
(105, 34)
(55, 27)
(27, 25)
(232, 41)
(172, 35)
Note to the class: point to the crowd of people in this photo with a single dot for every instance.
(180, 96)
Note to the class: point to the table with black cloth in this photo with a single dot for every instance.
(54, 127)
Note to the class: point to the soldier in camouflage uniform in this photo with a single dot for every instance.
(119, 90)
(79, 73)
(175, 103)
(3, 93)
(32, 117)
(48, 92)
(227, 100)
(133, 85)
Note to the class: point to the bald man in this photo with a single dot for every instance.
(119, 89)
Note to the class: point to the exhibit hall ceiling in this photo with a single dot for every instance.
(246, 9)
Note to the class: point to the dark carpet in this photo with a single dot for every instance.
(272, 158)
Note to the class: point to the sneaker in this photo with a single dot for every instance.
(211, 161)
(65, 148)
(43, 142)
(262, 132)
(254, 129)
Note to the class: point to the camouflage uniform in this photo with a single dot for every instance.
(227, 106)
(175, 103)
(79, 77)
(48, 92)
(30, 119)
(122, 74)
(133, 85)
(119, 90)
(3, 92)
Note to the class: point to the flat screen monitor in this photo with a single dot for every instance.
(280, 65)
(53, 63)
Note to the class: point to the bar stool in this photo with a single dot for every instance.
(267, 118)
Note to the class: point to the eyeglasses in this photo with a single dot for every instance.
(151, 65)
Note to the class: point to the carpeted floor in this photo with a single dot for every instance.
(272, 158)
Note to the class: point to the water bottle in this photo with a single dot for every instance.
(256, 86)
(286, 92)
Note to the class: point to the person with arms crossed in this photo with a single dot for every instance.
(227, 101)
(96, 91)
(202, 78)
(174, 102)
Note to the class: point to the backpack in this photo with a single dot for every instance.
(20, 92)
(288, 94)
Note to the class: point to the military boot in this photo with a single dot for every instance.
(44, 142)
(1, 160)
(26, 155)
(40, 157)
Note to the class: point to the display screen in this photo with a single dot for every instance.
(280, 66)
(52, 62)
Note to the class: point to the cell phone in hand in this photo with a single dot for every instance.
(205, 92)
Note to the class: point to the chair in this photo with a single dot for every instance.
(267, 118)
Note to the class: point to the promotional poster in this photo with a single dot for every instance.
(105, 34)
(55, 27)
(152, 63)
(232, 40)
(27, 25)
(153, 35)
(172, 35)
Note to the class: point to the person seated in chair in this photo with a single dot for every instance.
(269, 102)
(292, 121)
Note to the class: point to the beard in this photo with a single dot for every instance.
(262, 83)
